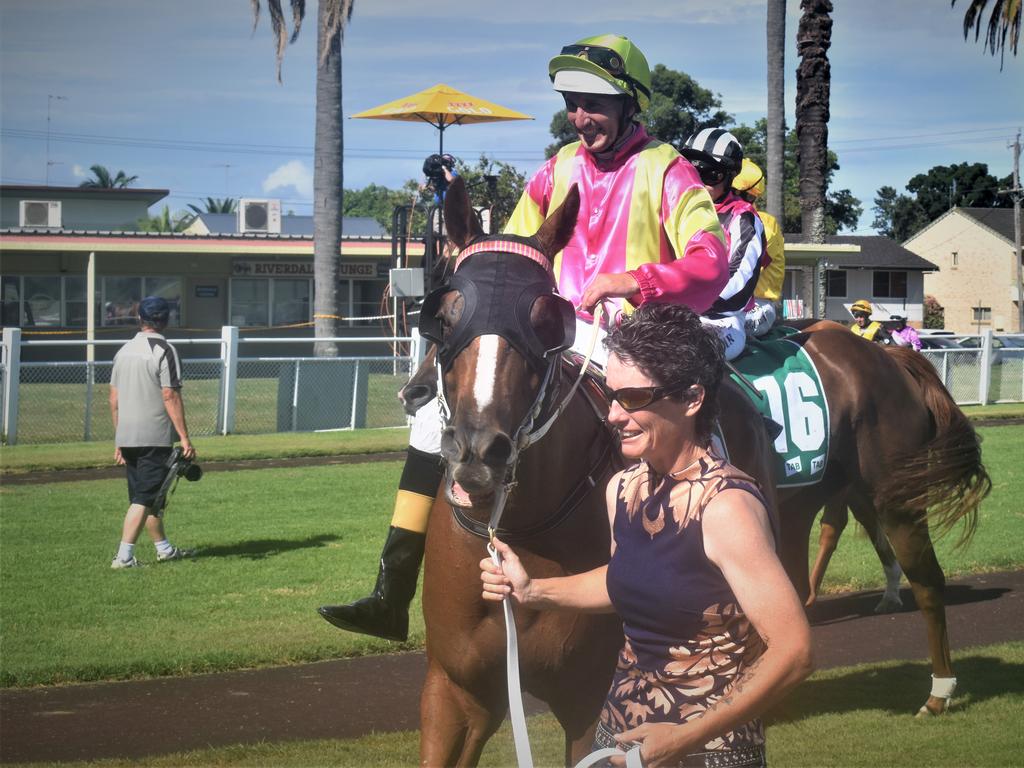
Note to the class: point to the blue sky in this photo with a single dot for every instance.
(184, 96)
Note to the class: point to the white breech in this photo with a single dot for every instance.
(761, 318)
(730, 329)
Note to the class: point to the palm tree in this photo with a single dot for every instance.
(165, 221)
(813, 38)
(1004, 19)
(103, 180)
(332, 17)
(776, 139)
(217, 205)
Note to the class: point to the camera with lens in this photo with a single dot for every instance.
(434, 167)
(177, 467)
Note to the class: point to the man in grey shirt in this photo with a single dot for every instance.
(148, 413)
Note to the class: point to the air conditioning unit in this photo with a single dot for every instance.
(39, 213)
(259, 216)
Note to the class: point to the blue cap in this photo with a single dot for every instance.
(154, 309)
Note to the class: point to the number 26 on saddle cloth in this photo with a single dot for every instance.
(788, 392)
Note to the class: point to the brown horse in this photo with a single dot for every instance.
(904, 456)
(555, 518)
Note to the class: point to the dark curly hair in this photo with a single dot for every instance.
(670, 345)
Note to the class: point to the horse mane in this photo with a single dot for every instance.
(946, 480)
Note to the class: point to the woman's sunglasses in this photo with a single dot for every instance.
(635, 398)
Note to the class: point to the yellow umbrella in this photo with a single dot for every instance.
(442, 106)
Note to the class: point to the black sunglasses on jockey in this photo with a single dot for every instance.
(607, 59)
(636, 398)
(709, 174)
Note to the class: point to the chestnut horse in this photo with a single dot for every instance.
(554, 517)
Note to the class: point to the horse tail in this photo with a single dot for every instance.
(946, 481)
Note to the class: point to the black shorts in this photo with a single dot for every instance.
(147, 468)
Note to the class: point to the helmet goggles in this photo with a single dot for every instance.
(609, 60)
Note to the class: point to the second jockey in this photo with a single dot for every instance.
(718, 156)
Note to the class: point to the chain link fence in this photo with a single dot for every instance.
(960, 371)
(69, 400)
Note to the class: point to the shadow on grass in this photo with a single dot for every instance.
(258, 549)
(899, 689)
(862, 604)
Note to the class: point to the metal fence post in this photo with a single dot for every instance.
(418, 351)
(12, 378)
(985, 379)
(229, 388)
(295, 397)
(355, 394)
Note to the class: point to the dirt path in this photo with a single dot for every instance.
(349, 698)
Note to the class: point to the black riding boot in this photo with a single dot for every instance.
(385, 613)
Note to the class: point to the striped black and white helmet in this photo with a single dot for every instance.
(715, 145)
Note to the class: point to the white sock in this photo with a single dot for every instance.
(163, 547)
(125, 552)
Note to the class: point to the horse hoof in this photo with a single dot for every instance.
(889, 605)
(933, 707)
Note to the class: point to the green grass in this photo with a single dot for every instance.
(853, 717)
(276, 544)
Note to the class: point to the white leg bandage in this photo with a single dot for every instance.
(943, 687)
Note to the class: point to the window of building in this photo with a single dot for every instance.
(835, 283)
(262, 302)
(52, 301)
(121, 297)
(891, 285)
(982, 314)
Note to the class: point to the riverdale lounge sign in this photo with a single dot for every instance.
(347, 270)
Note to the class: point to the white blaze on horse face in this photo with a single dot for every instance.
(486, 370)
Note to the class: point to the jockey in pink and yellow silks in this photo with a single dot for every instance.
(644, 212)
(646, 231)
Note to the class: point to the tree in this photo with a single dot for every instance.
(103, 180)
(165, 222)
(897, 216)
(968, 185)
(813, 80)
(679, 107)
(1004, 19)
(328, 177)
(776, 140)
(217, 205)
(496, 185)
(934, 313)
(842, 209)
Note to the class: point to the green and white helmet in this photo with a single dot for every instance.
(605, 64)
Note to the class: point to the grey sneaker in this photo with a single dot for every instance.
(117, 563)
(176, 553)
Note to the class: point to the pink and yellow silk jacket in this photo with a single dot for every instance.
(645, 212)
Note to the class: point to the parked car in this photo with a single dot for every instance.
(940, 342)
(1004, 348)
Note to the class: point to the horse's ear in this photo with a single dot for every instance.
(459, 217)
(556, 231)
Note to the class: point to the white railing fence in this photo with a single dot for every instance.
(231, 392)
(226, 391)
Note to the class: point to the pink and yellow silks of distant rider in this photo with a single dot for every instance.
(644, 212)
(769, 285)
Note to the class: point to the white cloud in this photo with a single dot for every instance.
(293, 174)
(78, 171)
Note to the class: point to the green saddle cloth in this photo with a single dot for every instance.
(788, 391)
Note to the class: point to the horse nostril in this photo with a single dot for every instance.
(415, 396)
(451, 449)
(498, 451)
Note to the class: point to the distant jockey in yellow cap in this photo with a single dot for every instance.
(864, 326)
(749, 184)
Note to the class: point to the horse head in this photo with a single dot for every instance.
(498, 325)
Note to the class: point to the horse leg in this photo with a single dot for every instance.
(833, 523)
(866, 514)
(915, 553)
(454, 725)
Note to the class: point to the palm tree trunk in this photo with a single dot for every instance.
(327, 188)
(776, 140)
(814, 36)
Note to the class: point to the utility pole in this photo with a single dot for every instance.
(49, 103)
(1016, 192)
